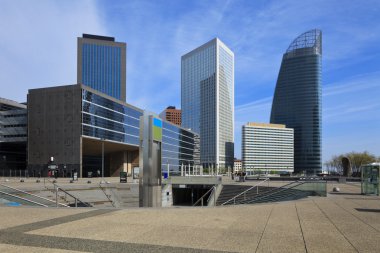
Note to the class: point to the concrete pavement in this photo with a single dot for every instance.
(343, 222)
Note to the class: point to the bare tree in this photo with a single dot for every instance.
(357, 159)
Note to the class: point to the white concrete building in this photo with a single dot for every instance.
(268, 147)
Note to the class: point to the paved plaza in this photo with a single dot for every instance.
(342, 222)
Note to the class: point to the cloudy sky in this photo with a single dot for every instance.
(38, 49)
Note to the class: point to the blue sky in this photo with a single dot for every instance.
(38, 49)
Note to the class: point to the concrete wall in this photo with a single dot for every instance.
(54, 128)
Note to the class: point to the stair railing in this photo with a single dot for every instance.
(280, 189)
(30, 194)
(76, 200)
(58, 188)
(107, 196)
(244, 192)
(212, 190)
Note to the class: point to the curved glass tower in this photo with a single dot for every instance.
(297, 99)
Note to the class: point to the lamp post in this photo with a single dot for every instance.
(102, 182)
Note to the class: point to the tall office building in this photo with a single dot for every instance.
(297, 99)
(102, 65)
(267, 147)
(207, 101)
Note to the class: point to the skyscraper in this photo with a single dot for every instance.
(207, 101)
(102, 65)
(297, 99)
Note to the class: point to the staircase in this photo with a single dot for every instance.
(10, 194)
(230, 191)
(231, 194)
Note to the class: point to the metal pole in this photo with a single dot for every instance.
(102, 160)
(214, 196)
(56, 196)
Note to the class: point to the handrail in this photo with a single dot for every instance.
(234, 198)
(58, 188)
(201, 198)
(32, 195)
(209, 197)
(282, 189)
(27, 200)
(108, 197)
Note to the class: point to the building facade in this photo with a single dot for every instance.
(267, 147)
(80, 126)
(101, 65)
(237, 166)
(172, 115)
(207, 101)
(13, 137)
(297, 99)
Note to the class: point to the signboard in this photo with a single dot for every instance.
(75, 176)
(123, 177)
(136, 172)
(157, 129)
(52, 166)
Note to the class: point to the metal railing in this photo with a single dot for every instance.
(212, 190)
(279, 189)
(76, 200)
(244, 192)
(107, 195)
(58, 188)
(30, 194)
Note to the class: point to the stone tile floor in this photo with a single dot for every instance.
(315, 224)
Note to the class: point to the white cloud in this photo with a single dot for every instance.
(38, 43)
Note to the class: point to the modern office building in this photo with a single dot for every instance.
(80, 126)
(207, 101)
(172, 115)
(101, 65)
(13, 137)
(297, 99)
(267, 147)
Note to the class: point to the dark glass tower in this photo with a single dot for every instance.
(297, 99)
(102, 65)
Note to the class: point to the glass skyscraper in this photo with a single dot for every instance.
(207, 101)
(297, 99)
(102, 65)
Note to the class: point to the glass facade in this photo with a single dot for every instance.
(297, 99)
(13, 136)
(178, 147)
(226, 105)
(104, 118)
(207, 96)
(101, 68)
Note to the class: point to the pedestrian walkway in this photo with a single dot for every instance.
(343, 222)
